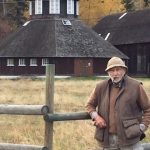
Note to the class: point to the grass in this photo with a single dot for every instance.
(70, 96)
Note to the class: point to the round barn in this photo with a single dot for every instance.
(55, 35)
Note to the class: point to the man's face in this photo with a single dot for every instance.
(116, 73)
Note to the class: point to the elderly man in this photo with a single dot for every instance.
(120, 109)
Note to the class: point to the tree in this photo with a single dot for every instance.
(20, 8)
(128, 4)
(147, 2)
(14, 10)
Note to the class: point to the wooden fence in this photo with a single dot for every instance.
(49, 116)
(34, 110)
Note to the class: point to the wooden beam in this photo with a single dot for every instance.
(24, 109)
(50, 72)
(8, 146)
(67, 116)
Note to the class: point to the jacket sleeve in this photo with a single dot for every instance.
(145, 105)
(92, 102)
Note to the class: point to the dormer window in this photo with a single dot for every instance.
(38, 6)
(54, 7)
(66, 22)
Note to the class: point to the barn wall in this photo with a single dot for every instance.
(63, 66)
(21, 70)
(83, 67)
(99, 66)
(133, 51)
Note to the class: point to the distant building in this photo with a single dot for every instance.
(54, 35)
(130, 33)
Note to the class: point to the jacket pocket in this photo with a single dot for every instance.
(132, 128)
(99, 134)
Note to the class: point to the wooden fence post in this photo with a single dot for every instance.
(50, 72)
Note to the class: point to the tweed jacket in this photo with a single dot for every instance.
(132, 107)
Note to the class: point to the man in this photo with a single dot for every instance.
(120, 109)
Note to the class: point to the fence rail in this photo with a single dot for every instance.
(24, 109)
(8, 146)
(34, 110)
(67, 116)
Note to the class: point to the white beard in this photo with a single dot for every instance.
(116, 79)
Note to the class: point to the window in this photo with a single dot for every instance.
(10, 62)
(70, 6)
(66, 22)
(54, 7)
(22, 62)
(30, 8)
(45, 61)
(77, 10)
(38, 6)
(141, 60)
(33, 62)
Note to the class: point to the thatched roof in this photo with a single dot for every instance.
(51, 38)
(133, 27)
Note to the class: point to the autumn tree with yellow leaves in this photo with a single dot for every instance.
(92, 11)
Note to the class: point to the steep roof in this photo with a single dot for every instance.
(127, 28)
(51, 38)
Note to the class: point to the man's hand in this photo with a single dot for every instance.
(99, 122)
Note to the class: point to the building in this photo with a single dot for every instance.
(130, 33)
(55, 35)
